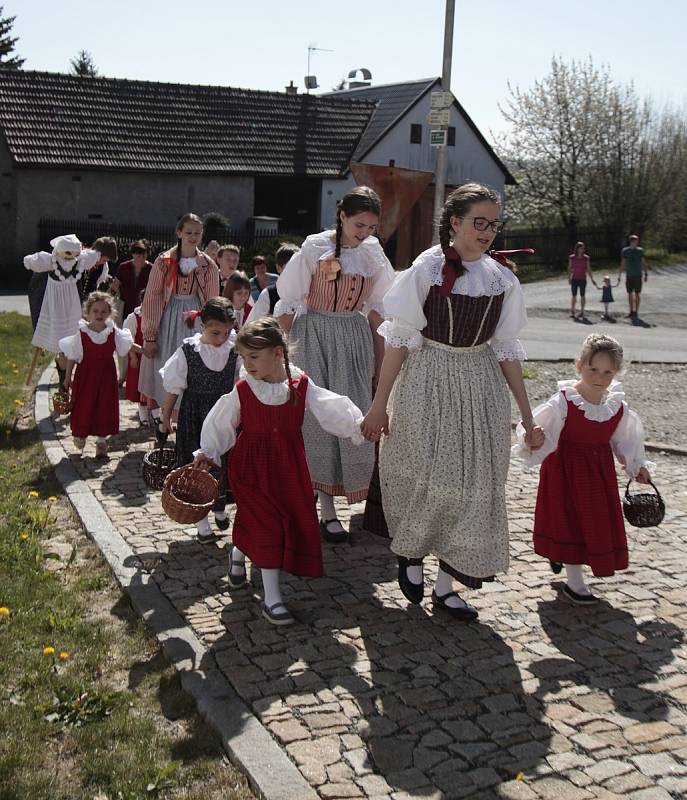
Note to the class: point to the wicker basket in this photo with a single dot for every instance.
(189, 494)
(61, 402)
(644, 510)
(158, 463)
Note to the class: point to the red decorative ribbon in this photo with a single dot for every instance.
(191, 315)
(453, 265)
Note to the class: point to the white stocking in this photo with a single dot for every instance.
(238, 561)
(575, 579)
(327, 512)
(270, 583)
(444, 585)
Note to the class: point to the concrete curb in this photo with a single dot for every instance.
(247, 742)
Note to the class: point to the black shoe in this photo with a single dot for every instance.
(413, 592)
(237, 580)
(465, 613)
(222, 524)
(159, 433)
(556, 567)
(336, 537)
(209, 538)
(579, 599)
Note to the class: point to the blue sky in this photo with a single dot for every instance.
(263, 45)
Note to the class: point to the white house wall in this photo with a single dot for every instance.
(332, 192)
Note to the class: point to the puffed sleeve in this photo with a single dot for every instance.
(123, 341)
(551, 417)
(218, 433)
(505, 342)
(131, 324)
(404, 318)
(628, 444)
(382, 281)
(293, 284)
(72, 347)
(87, 260)
(336, 413)
(261, 307)
(175, 372)
(38, 262)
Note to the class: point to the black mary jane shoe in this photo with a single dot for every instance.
(579, 599)
(222, 524)
(556, 567)
(335, 537)
(413, 592)
(465, 613)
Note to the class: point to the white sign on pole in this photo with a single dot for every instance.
(439, 118)
(437, 138)
(441, 99)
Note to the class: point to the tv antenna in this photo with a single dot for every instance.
(311, 80)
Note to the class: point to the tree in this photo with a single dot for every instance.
(84, 65)
(7, 43)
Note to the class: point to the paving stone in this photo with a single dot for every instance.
(289, 731)
(660, 764)
(655, 793)
(391, 754)
(649, 732)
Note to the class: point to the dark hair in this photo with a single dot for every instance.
(237, 280)
(217, 309)
(263, 333)
(284, 253)
(107, 247)
(257, 261)
(139, 246)
(180, 224)
(458, 203)
(357, 201)
(577, 247)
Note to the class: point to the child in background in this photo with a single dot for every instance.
(578, 518)
(237, 292)
(95, 393)
(133, 324)
(276, 522)
(201, 370)
(606, 297)
(228, 257)
(269, 297)
(97, 276)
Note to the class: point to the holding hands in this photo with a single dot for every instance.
(534, 436)
(375, 423)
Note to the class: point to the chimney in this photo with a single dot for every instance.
(291, 89)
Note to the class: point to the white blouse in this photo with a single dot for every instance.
(131, 322)
(45, 262)
(175, 370)
(261, 308)
(367, 259)
(404, 302)
(72, 346)
(335, 413)
(627, 441)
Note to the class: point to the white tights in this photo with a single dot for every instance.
(270, 579)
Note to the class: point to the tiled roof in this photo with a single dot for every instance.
(394, 100)
(57, 120)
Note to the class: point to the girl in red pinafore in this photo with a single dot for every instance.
(95, 392)
(578, 518)
(276, 523)
(133, 324)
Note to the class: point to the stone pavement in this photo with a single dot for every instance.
(373, 698)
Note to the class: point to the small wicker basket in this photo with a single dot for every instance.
(643, 510)
(61, 402)
(188, 494)
(158, 463)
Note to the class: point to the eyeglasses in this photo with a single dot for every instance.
(482, 223)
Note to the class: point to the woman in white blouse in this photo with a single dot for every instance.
(452, 322)
(331, 300)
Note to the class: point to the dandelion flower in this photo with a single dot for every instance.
(18, 402)
(24, 536)
(520, 776)
(4, 611)
(64, 655)
(48, 651)
(33, 493)
(52, 498)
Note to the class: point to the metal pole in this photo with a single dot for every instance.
(442, 155)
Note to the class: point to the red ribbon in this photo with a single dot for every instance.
(191, 315)
(453, 265)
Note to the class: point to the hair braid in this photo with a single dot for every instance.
(445, 229)
(293, 397)
(339, 234)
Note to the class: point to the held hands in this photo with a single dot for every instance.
(534, 436)
(150, 349)
(374, 424)
(643, 476)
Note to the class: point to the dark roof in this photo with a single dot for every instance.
(61, 121)
(394, 100)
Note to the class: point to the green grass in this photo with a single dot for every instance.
(104, 714)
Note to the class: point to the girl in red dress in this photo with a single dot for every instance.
(133, 324)
(237, 292)
(95, 392)
(276, 523)
(578, 519)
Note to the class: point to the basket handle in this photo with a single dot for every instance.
(651, 483)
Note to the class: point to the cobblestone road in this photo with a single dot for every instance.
(373, 698)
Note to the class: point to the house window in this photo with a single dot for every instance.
(451, 138)
(416, 134)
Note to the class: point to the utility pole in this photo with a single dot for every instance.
(442, 154)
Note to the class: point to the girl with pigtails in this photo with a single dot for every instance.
(331, 302)
(451, 326)
(276, 522)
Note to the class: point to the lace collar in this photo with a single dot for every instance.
(608, 407)
(366, 259)
(271, 394)
(482, 277)
(97, 337)
(202, 347)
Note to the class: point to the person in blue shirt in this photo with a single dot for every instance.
(262, 279)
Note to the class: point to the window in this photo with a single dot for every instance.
(416, 134)
(451, 138)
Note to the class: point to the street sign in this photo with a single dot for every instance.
(439, 118)
(441, 99)
(437, 138)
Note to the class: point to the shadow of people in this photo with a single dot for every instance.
(638, 322)
(607, 649)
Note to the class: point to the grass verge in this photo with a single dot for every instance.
(89, 707)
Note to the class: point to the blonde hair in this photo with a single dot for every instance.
(597, 343)
(266, 333)
(96, 297)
